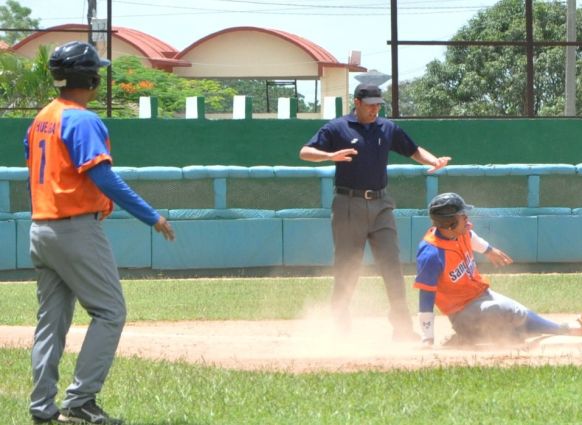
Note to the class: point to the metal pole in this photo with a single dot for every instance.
(109, 54)
(394, 51)
(91, 13)
(570, 109)
(529, 91)
(267, 94)
(315, 97)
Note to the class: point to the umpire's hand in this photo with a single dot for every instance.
(164, 227)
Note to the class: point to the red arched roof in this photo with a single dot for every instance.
(159, 53)
(318, 53)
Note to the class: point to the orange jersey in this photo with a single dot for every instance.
(63, 142)
(448, 268)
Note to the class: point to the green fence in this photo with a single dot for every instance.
(183, 142)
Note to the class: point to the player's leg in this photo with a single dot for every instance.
(349, 236)
(89, 269)
(383, 237)
(55, 312)
(477, 321)
(507, 312)
(502, 317)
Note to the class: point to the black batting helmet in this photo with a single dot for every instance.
(76, 65)
(444, 207)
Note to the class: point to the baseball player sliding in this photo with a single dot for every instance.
(72, 188)
(447, 277)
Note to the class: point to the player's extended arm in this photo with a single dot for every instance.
(424, 157)
(119, 192)
(309, 153)
(496, 256)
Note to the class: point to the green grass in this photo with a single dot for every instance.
(155, 393)
(159, 392)
(280, 298)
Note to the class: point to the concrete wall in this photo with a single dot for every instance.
(219, 235)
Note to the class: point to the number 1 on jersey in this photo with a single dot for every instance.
(42, 146)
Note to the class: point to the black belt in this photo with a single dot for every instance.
(366, 194)
(95, 216)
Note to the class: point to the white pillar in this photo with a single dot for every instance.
(239, 107)
(284, 108)
(145, 107)
(192, 107)
(329, 112)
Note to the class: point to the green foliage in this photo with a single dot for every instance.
(491, 80)
(258, 89)
(24, 83)
(132, 79)
(15, 16)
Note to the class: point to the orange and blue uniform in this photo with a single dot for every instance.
(448, 268)
(447, 277)
(63, 142)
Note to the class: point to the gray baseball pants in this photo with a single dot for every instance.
(354, 221)
(74, 261)
(490, 316)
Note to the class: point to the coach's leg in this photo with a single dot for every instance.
(92, 275)
(55, 312)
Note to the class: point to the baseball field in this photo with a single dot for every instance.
(263, 351)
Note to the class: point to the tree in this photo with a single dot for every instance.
(15, 16)
(257, 89)
(131, 79)
(25, 84)
(491, 80)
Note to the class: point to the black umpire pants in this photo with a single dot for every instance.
(356, 220)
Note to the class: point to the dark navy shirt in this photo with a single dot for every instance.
(374, 141)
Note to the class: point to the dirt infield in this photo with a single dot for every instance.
(309, 345)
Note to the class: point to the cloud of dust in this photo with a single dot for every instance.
(315, 337)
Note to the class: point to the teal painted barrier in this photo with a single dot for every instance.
(285, 218)
(8, 251)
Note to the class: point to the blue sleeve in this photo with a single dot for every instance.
(26, 146)
(119, 192)
(85, 136)
(402, 143)
(430, 263)
(426, 301)
(322, 140)
(429, 266)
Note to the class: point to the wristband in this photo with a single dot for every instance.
(426, 321)
(489, 249)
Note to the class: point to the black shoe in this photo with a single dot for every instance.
(89, 413)
(53, 419)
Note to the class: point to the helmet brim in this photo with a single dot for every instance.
(466, 208)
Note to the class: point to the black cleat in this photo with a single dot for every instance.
(89, 413)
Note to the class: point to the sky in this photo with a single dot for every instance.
(339, 26)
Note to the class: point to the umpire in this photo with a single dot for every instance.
(362, 210)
